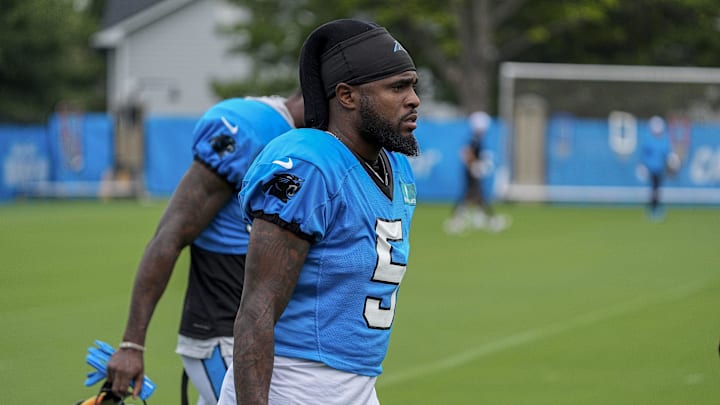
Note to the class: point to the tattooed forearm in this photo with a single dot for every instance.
(275, 257)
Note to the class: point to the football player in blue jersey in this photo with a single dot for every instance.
(204, 213)
(330, 207)
(657, 158)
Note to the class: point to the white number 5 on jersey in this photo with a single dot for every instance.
(387, 272)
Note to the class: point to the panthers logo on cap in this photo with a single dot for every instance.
(283, 186)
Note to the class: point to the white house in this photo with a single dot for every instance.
(163, 54)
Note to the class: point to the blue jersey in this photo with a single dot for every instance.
(654, 153)
(227, 139)
(342, 309)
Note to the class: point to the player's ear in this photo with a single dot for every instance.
(346, 95)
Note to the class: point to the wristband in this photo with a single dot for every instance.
(131, 346)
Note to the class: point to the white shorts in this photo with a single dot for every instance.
(301, 382)
(205, 362)
(203, 348)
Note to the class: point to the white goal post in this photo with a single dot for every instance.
(621, 98)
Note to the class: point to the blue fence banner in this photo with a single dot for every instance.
(81, 146)
(701, 163)
(579, 154)
(24, 157)
(168, 152)
(439, 168)
(588, 153)
(585, 159)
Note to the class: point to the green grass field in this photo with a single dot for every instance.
(572, 305)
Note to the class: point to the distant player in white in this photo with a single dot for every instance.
(474, 208)
(331, 209)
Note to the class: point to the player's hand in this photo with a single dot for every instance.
(673, 163)
(125, 366)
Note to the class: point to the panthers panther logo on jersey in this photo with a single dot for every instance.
(283, 186)
(223, 144)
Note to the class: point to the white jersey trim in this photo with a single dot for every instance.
(278, 103)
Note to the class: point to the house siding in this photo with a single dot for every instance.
(167, 67)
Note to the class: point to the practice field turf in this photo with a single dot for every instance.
(571, 305)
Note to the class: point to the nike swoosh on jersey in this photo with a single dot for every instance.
(287, 165)
(233, 129)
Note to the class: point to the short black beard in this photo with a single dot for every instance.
(378, 131)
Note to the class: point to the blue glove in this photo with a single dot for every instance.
(98, 358)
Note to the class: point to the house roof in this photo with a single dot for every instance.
(122, 17)
(119, 10)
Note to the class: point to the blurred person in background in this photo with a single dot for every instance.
(657, 159)
(204, 213)
(474, 209)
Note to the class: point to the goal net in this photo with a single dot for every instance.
(574, 132)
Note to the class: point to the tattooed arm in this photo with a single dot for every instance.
(274, 259)
(200, 195)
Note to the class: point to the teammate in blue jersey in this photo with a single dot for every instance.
(205, 214)
(330, 208)
(657, 158)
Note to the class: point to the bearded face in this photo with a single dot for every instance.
(380, 131)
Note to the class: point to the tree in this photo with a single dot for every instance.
(45, 58)
(459, 44)
(641, 32)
